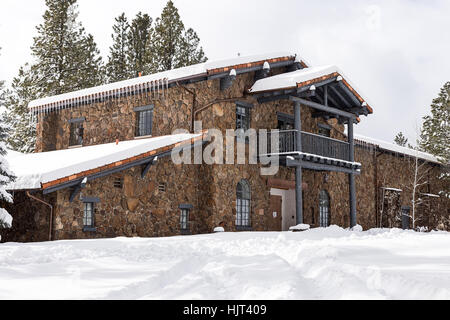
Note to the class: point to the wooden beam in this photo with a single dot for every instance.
(317, 84)
(320, 167)
(348, 93)
(280, 96)
(323, 108)
(77, 190)
(147, 167)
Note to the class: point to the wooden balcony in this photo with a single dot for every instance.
(314, 149)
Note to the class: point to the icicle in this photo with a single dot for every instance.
(151, 90)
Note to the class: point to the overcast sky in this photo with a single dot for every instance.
(395, 52)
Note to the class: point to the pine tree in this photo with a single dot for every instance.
(189, 52)
(22, 132)
(67, 58)
(6, 176)
(435, 134)
(139, 39)
(400, 140)
(173, 46)
(2, 93)
(117, 68)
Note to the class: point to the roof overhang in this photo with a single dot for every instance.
(101, 161)
(158, 84)
(313, 82)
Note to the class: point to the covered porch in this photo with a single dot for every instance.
(331, 96)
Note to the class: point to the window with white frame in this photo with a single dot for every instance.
(185, 210)
(184, 219)
(88, 218)
(324, 209)
(243, 119)
(243, 204)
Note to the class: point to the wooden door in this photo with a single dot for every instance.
(275, 213)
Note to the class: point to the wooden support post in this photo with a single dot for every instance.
(351, 176)
(298, 169)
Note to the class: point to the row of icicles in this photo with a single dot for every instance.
(158, 89)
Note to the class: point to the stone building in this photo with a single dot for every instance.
(103, 165)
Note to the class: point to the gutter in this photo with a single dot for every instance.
(51, 213)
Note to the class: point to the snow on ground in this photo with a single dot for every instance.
(330, 263)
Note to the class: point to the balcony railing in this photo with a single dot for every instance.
(311, 143)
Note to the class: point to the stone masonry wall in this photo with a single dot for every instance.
(141, 210)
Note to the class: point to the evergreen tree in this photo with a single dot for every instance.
(139, 39)
(22, 132)
(435, 134)
(400, 140)
(2, 93)
(6, 177)
(189, 52)
(67, 58)
(173, 46)
(117, 68)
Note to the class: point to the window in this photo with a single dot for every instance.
(324, 130)
(89, 214)
(184, 218)
(144, 121)
(242, 119)
(76, 132)
(243, 202)
(324, 209)
(88, 218)
(285, 121)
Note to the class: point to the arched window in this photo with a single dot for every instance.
(243, 201)
(324, 209)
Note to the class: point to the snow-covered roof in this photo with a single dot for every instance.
(34, 170)
(398, 149)
(11, 154)
(431, 195)
(163, 79)
(392, 189)
(306, 77)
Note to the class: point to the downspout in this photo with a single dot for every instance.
(51, 213)
(209, 104)
(194, 100)
(378, 215)
(195, 111)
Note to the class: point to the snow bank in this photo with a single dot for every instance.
(300, 227)
(322, 263)
(219, 229)
(33, 169)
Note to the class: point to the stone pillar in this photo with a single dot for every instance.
(351, 176)
(298, 169)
